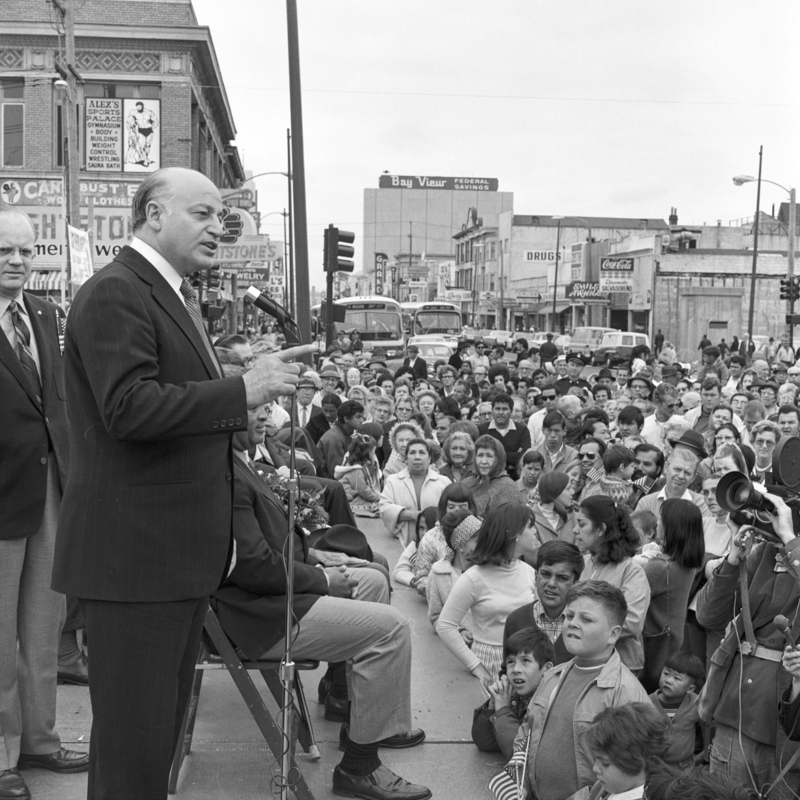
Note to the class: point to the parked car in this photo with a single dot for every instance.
(587, 339)
(435, 338)
(617, 347)
(563, 343)
(505, 338)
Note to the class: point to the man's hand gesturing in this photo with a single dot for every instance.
(274, 375)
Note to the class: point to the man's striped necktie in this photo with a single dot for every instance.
(23, 335)
(193, 307)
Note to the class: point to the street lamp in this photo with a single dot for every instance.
(740, 180)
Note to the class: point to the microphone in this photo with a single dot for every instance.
(782, 624)
(269, 306)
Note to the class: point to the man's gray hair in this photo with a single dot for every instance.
(6, 210)
(680, 455)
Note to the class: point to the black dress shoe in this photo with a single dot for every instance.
(397, 742)
(12, 786)
(74, 671)
(382, 784)
(63, 761)
(337, 710)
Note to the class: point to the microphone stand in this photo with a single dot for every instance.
(291, 332)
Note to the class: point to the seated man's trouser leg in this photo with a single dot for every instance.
(375, 641)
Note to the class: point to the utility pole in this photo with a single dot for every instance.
(755, 256)
(410, 246)
(72, 165)
(298, 177)
(501, 316)
(790, 256)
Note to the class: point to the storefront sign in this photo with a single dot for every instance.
(586, 293)
(437, 182)
(616, 274)
(104, 134)
(616, 264)
(541, 256)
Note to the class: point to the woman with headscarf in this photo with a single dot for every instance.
(491, 485)
(554, 517)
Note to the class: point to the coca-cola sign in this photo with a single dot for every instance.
(616, 264)
(586, 293)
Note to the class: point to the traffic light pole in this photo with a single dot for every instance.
(329, 325)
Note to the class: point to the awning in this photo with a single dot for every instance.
(45, 281)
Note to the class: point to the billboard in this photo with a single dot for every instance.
(586, 293)
(437, 182)
(616, 274)
(123, 135)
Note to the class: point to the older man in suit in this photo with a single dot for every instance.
(144, 534)
(333, 624)
(33, 469)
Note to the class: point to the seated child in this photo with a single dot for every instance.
(404, 569)
(646, 526)
(361, 476)
(571, 694)
(627, 742)
(495, 725)
(676, 700)
(460, 531)
(433, 546)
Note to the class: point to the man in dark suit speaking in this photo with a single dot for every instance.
(144, 535)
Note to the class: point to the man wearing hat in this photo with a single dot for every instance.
(780, 372)
(330, 377)
(305, 409)
(641, 384)
(606, 378)
(666, 398)
(575, 365)
(670, 374)
(377, 361)
(413, 364)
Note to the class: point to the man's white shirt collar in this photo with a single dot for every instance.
(687, 495)
(161, 265)
(502, 431)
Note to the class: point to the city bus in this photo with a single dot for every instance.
(379, 320)
(433, 317)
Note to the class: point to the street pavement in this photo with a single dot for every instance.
(230, 761)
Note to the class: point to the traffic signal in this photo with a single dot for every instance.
(196, 279)
(790, 288)
(213, 278)
(338, 252)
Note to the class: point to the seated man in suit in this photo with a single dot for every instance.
(373, 638)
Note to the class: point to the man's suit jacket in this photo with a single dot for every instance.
(251, 602)
(419, 370)
(317, 427)
(146, 512)
(31, 431)
(313, 411)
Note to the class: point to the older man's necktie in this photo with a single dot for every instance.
(193, 307)
(23, 335)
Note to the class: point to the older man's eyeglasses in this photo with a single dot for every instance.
(25, 253)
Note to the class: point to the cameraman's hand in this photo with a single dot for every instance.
(273, 375)
(340, 584)
(782, 518)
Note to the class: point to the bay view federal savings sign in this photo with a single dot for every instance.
(586, 293)
(437, 182)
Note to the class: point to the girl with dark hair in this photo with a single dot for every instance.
(361, 476)
(497, 584)
(606, 535)
(554, 517)
(671, 575)
(491, 484)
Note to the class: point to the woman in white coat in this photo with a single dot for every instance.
(410, 491)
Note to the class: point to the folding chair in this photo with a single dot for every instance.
(216, 641)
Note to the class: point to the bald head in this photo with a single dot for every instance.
(178, 212)
(17, 249)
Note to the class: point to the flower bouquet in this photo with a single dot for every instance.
(310, 511)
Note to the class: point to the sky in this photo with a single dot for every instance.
(603, 108)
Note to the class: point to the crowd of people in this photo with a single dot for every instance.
(561, 528)
(536, 503)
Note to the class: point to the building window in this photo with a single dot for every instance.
(12, 122)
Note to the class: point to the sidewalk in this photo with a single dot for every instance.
(229, 760)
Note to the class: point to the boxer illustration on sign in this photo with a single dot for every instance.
(141, 124)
